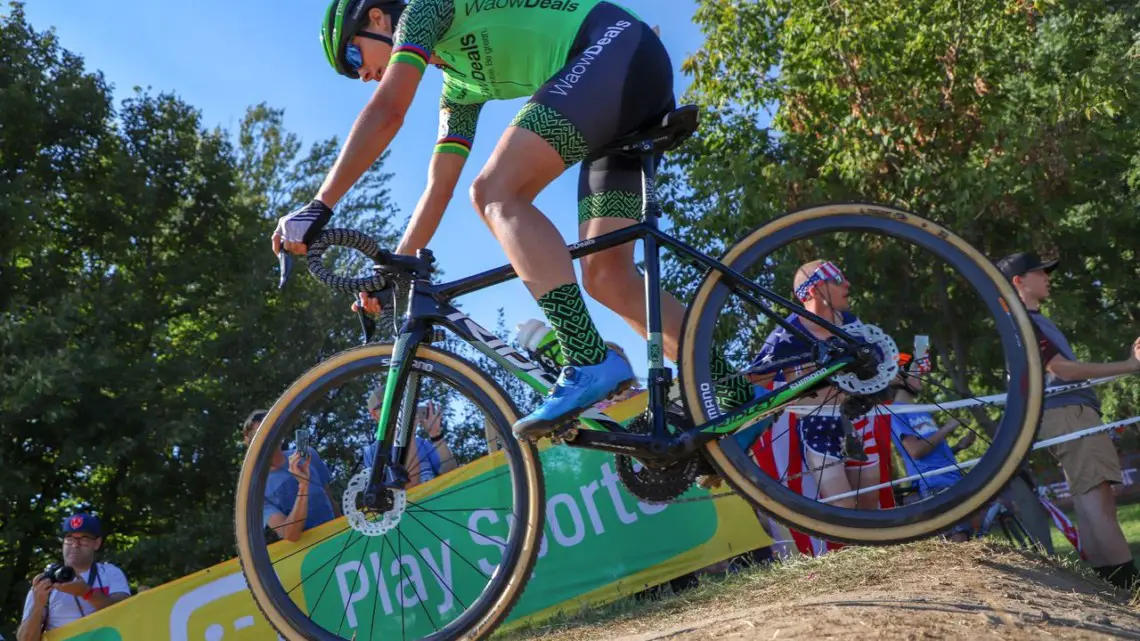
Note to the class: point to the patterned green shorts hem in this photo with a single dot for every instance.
(609, 204)
(555, 129)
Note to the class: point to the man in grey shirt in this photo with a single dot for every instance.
(1091, 463)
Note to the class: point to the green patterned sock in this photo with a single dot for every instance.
(732, 390)
(564, 308)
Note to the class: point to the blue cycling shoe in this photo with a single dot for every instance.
(579, 387)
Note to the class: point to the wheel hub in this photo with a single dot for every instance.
(880, 361)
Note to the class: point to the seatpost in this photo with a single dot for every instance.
(660, 377)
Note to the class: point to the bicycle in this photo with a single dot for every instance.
(671, 446)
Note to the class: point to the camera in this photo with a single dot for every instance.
(59, 573)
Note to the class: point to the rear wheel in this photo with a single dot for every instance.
(977, 327)
(447, 560)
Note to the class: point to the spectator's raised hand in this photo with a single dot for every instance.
(41, 590)
(433, 419)
(78, 587)
(299, 469)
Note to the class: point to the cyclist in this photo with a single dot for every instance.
(594, 72)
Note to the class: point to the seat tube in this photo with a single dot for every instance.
(659, 377)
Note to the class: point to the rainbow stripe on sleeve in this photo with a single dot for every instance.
(410, 54)
(457, 145)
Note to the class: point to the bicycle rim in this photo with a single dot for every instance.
(414, 581)
(740, 462)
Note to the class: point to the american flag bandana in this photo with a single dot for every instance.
(825, 272)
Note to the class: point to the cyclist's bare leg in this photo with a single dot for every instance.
(521, 166)
(611, 278)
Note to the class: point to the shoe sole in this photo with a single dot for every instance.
(570, 418)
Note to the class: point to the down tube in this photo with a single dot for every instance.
(496, 349)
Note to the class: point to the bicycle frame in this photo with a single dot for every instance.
(429, 307)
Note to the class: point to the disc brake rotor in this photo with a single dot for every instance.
(887, 353)
(365, 521)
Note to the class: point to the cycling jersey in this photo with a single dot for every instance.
(594, 72)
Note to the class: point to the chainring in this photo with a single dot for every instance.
(656, 482)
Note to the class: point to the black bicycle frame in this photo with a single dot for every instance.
(429, 306)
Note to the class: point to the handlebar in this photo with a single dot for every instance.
(387, 264)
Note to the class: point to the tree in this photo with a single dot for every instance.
(139, 315)
(1013, 123)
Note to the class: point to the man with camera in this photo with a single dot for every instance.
(75, 589)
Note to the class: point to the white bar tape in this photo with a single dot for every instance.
(996, 399)
(1065, 438)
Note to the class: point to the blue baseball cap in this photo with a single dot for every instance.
(82, 523)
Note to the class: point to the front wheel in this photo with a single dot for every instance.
(447, 559)
(910, 279)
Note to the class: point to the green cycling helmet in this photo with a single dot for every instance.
(343, 20)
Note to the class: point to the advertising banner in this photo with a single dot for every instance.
(599, 544)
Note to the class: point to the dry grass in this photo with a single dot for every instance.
(929, 589)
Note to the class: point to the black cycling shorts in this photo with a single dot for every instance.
(618, 80)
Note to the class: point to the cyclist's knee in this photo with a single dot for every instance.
(489, 193)
(608, 276)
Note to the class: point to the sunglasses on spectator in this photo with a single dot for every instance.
(79, 541)
(352, 54)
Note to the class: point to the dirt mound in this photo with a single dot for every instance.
(927, 590)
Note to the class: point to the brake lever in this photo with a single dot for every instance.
(367, 325)
(285, 267)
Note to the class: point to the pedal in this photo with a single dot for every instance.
(709, 481)
(564, 434)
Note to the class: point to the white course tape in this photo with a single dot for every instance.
(929, 408)
(1064, 438)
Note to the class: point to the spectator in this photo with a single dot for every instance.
(96, 585)
(922, 443)
(290, 507)
(432, 454)
(823, 290)
(1091, 464)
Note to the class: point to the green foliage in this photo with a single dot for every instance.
(139, 315)
(1016, 124)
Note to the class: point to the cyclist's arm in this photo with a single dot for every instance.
(456, 134)
(424, 22)
(373, 131)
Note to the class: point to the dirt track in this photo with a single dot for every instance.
(929, 590)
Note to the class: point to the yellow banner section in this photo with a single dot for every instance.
(631, 546)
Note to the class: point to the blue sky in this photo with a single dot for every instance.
(223, 56)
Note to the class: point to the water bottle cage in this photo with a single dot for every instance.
(545, 359)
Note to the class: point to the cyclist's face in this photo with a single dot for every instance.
(368, 55)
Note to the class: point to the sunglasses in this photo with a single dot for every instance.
(352, 54)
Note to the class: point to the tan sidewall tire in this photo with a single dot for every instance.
(531, 468)
(877, 535)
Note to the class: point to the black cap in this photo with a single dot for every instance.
(82, 524)
(1023, 263)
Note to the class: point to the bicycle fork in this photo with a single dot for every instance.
(394, 429)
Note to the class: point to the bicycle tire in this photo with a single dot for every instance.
(518, 557)
(872, 527)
